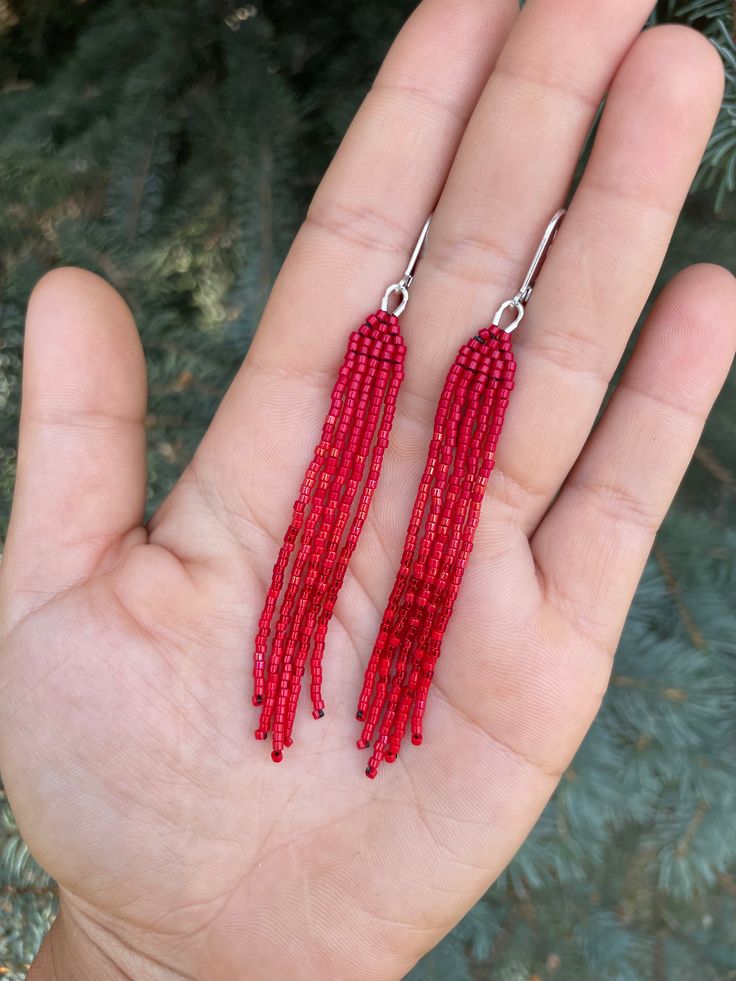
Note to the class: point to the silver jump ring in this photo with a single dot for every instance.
(401, 289)
(514, 304)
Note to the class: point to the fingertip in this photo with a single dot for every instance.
(82, 347)
(701, 302)
(63, 289)
(708, 280)
(680, 61)
(688, 342)
(695, 54)
(454, 26)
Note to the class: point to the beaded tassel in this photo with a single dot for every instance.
(356, 429)
(439, 540)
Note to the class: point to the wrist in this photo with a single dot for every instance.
(78, 948)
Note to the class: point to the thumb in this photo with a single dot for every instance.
(80, 486)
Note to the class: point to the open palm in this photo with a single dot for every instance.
(126, 728)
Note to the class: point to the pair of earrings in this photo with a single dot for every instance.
(326, 523)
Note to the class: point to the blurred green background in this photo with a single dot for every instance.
(173, 148)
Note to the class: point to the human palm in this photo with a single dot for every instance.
(126, 730)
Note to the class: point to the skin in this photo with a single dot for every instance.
(126, 730)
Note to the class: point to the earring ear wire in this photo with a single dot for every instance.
(402, 287)
(519, 302)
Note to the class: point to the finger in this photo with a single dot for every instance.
(599, 274)
(361, 228)
(592, 547)
(514, 166)
(81, 459)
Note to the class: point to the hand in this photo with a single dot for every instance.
(126, 729)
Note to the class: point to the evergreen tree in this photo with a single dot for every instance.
(173, 148)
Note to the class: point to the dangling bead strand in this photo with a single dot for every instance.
(342, 474)
(444, 553)
(321, 572)
(337, 578)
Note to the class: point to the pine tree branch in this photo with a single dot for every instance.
(683, 846)
(38, 35)
(139, 184)
(503, 937)
(29, 890)
(675, 591)
(660, 935)
(266, 201)
(637, 684)
(708, 460)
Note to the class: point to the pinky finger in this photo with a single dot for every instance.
(592, 546)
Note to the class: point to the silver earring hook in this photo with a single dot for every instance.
(519, 302)
(402, 287)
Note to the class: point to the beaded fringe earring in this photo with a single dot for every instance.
(438, 543)
(357, 427)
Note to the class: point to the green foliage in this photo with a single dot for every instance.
(27, 899)
(716, 19)
(173, 148)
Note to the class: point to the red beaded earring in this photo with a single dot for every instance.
(438, 543)
(357, 427)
